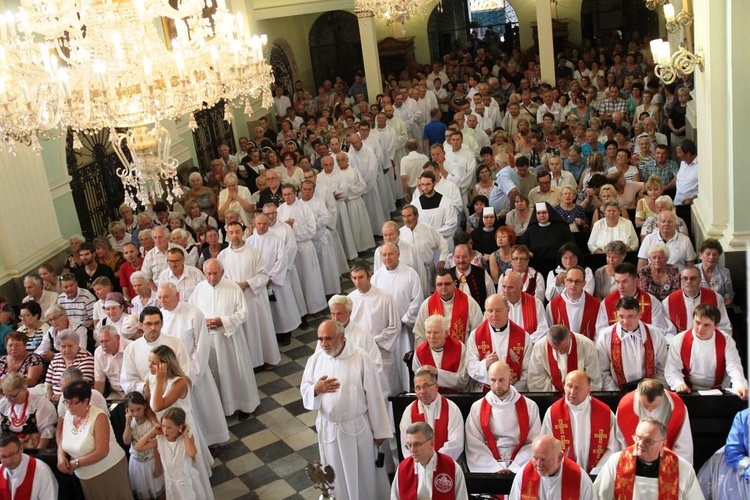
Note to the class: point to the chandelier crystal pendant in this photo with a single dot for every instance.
(394, 11)
(105, 64)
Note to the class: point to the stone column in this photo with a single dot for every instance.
(370, 54)
(546, 43)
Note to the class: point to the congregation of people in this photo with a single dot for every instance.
(506, 187)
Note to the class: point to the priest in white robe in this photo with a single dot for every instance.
(442, 414)
(559, 353)
(323, 195)
(332, 179)
(406, 250)
(442, 185)
(375, 310)
(284, 312)
(430, 248)
(15, 469)
(384, 186)
(525, 310)
(325, 224)
(362, 157)
(223, 304)
(574, 307)
(389, 141)
(341, 383)
(403, 284)
(435, 210)
(581, 421)
(643, 463)
(187, 322)
(244, 265)
(551, 475)
(445, 353)
(501, 426)
(302, 221)
(354, 188)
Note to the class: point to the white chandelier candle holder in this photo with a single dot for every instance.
(89, 65)
(653, 4)
(394, 11)
(669, 67)
(673, 23)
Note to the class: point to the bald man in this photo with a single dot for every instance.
(551, 475)
(406, 250)
(585, 426)
(501, 426)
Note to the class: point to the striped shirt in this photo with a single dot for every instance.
(79, 308)
(84, 361)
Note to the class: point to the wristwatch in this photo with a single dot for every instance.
(76, 463)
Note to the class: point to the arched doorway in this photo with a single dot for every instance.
(335, 47)
(282, 67)
(603, 18)
(495, 21)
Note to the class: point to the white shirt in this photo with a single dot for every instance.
(681, 249)
(703, 363)
(186, 283)
(687, 181)
(109, 367)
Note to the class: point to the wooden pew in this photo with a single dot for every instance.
(710, 420)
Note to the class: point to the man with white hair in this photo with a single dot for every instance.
(155, 260)
(33, 285)
(244, 265)
(108, 358)
(284, 311)
(323, 239)
(144, 295)
(681, 251)
(558, 353)
(443, 352)
(223, 304)
(182, 276)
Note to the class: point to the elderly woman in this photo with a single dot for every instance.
(204, 196)
(118, 236)
(607, 193)
(236, 197)
(89, 450)
(128, 218)
(182, 239)
(624, 167)
(73, 261)
(71, 354)
(518, 218)
(193, 212)
(26, 413)
(19, 360)
(714, 275)
(32, 325)
(571, 212)
(570, 256)
(604, 277)
(646, 206)
(612, 228)
(658, 277)
(212, 246)
(501, 260)
(59, 322)
(49, 276)
(663, 202)
(107, 255)
(533, 281)
(289, 172)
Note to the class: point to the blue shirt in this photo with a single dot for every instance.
(586, 149)
(434, 132)
(575, 168)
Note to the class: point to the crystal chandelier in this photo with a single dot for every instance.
(105, 64)
(394, 11)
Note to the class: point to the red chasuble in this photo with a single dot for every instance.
(451, 355)
(528, 309)
(516, 347)
(562, 429)
(459, 314)
(669, 475)
(644, 301)
(554, 369)
(443, 479)
(588, 321)
(571, 481)
(522, 412)
(678, 311)
(616, 356)
(721, 363)
(627, 419)
(23, 491)
(441, 422)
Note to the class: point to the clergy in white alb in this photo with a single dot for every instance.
(323, 195)
(525, 310)
(435, 210)
(650, 399)
(384, 187)
(341, 383)
(375, 310)
(498, 338)
(406, 250)
(182, 276)
(135, 362)
(411, 168)
(461, 163)
(224, 306)
(558, 353)
(443, 352)
(302, 221)
(362, 158)
(403, 284)
(187, 322)
(550, 475)
(325, 224)
(23, 477)
(284, 312)
(244, 265)
(704, 357)
(585, 426)
(441, 413)
(574, 307)
(332, 179)
(460, 309)
(631, 349)
(429, 248)
(353, 188)
(648, 470)
(501, 426)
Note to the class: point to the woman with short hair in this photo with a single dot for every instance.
(70, 355)
(26, 413)
(658, 277)
(19, 360)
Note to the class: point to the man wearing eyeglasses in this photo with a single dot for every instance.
(440, 413)
(22, 476)
(679, 305)
(427, 473)
(559, 353)
(575, 308)
(647, 469)
(184, 278)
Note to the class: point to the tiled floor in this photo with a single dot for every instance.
(267, 454)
